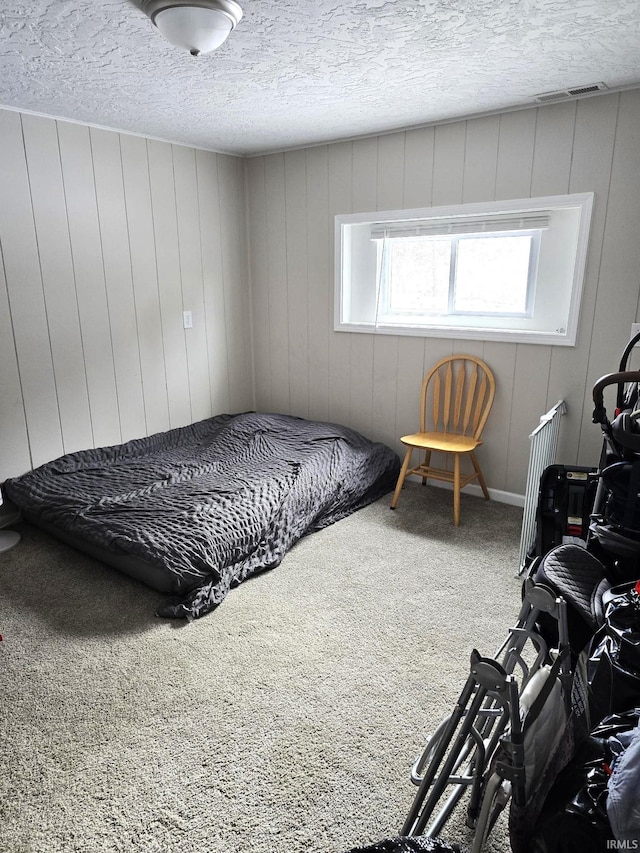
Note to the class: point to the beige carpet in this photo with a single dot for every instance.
(286, 720)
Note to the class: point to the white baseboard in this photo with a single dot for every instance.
(473, 489)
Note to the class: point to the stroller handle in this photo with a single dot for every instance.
(619, 379)
(627, 351)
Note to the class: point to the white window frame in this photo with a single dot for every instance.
(357, 269)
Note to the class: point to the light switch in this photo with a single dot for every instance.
(187, 319)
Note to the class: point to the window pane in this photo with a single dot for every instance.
(492, 274)
(419, 275)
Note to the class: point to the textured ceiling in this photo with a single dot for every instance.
(299, 72)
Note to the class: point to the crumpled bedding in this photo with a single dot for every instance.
(211, 503)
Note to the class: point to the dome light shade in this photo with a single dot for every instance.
(198, 26)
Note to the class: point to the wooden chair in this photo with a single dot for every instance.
(457, 395)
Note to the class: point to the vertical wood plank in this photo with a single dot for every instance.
(277, 268)
(515, 154)
(144, 275)
(390, 194)
(244, 394)
(364, 198)
(411, 371)
(86, 247)
(215, 312)
(259, 283)
(297, 286)
(165, 228)
(190, 253)
(114, 238)
(385, 388)
(553, 150)
(418, 168)
(233, 226)
(319, 278)
(390, 178)
(493, 457)
(15, 456)
(340, 167)
(448, 163)
(481, 160)
(54, 250)
(364, 175)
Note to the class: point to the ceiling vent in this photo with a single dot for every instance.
(564, 94)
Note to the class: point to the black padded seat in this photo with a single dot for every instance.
(579, 577)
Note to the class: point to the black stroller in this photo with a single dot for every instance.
(598, 505)
(506, 734)
(610, 510)
(615, 524)
(500, 741)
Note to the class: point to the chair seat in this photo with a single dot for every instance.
(449, 442)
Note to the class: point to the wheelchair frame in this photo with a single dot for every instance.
(480, 747)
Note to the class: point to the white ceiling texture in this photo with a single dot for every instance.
(301, 72)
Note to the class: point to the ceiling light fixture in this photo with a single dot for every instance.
(198, 26)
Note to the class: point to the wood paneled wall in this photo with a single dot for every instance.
(372, 382)
(105, 239)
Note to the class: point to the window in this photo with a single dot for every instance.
(496, 271)
(461, 274)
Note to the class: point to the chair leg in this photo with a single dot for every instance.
(401, 476)
(456, 490)
(427, 460)
(481, 480)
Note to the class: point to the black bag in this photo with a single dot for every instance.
(574, 816)
(613, 657)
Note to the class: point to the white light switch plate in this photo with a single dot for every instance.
(187, 319)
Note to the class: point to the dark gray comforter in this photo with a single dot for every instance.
(211, 503)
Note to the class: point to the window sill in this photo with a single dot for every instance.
(513, 336)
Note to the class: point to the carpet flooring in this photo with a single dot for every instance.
(286, 721)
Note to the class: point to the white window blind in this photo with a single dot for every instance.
(462, 225)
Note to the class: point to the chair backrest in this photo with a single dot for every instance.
(457, 395)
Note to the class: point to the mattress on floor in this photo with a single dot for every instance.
(196, 510)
